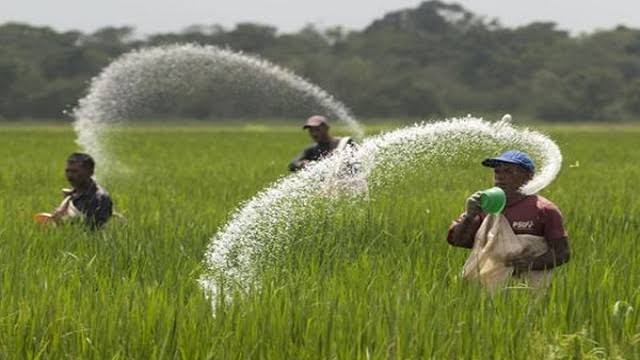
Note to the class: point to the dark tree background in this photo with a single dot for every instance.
(435, 60)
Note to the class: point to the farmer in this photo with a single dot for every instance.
(318, 128)
(525, 218)
(86, 200)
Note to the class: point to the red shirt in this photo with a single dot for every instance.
(533, 215)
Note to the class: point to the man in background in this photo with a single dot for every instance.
(318, 128)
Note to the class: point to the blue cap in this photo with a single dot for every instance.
(511, 157)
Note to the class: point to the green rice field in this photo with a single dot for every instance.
(378, 283)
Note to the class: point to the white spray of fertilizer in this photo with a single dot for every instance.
(261, 224)
(143, 81)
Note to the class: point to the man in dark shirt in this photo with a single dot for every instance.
(527, 214)
(86, 199)
(318, 128)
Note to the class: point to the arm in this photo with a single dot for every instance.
(61, 210)
(103, 211)
(298, 165)
(462, 233)
(299, 162)
(557, 255)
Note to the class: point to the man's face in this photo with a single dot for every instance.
(319, 133)
(76, 174)
(510, 177)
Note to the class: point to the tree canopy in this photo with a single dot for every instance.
(437, 59)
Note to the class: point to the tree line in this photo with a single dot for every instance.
(437, 59)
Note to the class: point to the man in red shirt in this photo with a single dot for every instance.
(527, 214)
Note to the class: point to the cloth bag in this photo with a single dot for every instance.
(495, 246)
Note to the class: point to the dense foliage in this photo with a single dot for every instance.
(434, 60)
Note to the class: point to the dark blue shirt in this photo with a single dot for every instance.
(316, 152)
(95, 203)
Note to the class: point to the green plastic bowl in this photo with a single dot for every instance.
(493, 200)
